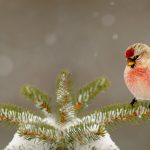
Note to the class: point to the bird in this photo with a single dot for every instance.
(137, 71)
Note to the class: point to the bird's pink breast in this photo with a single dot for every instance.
(138, 82)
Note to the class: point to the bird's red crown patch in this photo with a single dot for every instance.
(129, 53)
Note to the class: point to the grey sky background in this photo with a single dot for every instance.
(39, 38)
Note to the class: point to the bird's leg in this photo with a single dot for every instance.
(134, 101)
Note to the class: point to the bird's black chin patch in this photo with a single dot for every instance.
(132, 66)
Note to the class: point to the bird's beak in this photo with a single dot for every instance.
(131, 62)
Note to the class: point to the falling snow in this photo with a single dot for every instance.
(115, 36)
(95, 14)
(112, 3)
(95, 54)
(50, 39)
(6, 65)
(108, 20)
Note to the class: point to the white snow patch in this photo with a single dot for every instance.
(19, 143)
(104, 143)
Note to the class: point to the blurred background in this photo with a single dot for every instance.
(39, 38)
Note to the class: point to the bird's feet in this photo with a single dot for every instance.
(134, 101)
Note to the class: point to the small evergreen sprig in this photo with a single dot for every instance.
(40, 98)
(66, 129)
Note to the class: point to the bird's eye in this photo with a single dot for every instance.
(136, 57)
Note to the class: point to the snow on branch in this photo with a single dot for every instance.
(17, 115)
(90, 91)
(64, 95)
(40, 98)
(65, 129)
(116, 113)
(41, 131)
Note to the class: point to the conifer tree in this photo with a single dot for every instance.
(65, 129)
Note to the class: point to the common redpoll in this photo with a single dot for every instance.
(137, 71)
